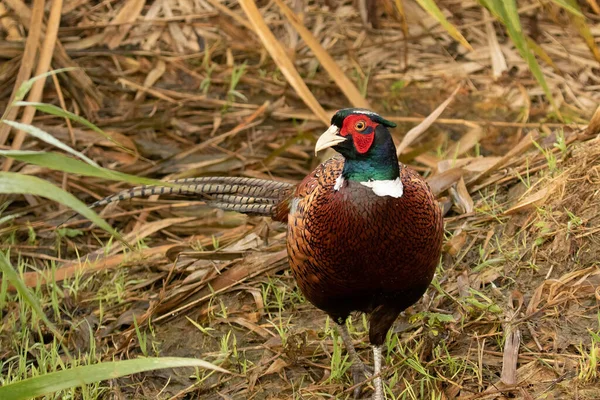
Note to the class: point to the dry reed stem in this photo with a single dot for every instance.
(282, 60)
(43, 66)
(27, 61)
(594, 5)
(346, 85)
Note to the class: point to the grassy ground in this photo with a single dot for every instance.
(189, 90)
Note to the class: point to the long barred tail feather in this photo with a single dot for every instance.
(245, 195)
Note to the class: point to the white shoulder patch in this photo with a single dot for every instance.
(338, 182)
(393, 188)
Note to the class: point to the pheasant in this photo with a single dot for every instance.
(364, 232)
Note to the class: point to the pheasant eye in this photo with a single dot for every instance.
(360, 126)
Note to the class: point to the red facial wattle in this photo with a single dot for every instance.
(362, 139)
(363, 142)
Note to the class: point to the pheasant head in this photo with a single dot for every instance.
(363, 139)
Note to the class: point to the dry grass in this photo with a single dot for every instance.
(189, 89)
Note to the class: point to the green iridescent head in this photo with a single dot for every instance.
(363, 138)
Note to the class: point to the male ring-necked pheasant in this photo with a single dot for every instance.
(364, 233)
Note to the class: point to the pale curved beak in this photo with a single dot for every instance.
(329, 139)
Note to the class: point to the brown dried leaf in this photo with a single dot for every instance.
(461, 197)
(510, 354)
(423, 126)
(128, 13)
(593, 127)
(260, 331)
(152, 227)
(455, 243)
(520, 148)
(152, 77)
(278, 365)
(466, 142)
(92, 262)
(471, 164)
(252, 265)
(484, 277)
(85, 43)
(530, 201)
(462, 283)
(440, 182)
(512, 342)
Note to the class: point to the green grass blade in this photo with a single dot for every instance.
(569, 5)
(433, 10)
(78, 376)
(506, 12)
(63, 163)
(14, 183)
(490, 5)
(59, 112)
(541, 53)
(48, 138)
(11, 275)
(511, 14)
(28, 84)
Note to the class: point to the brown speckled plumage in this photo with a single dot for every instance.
(351, 250)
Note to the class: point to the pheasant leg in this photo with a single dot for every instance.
(377, 382)
(359, 370)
